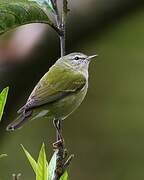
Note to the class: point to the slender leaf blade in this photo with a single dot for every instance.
(52, 166)
(30, 159)
(42, 165)
(3, 98)
(64, 176)
(15, 14)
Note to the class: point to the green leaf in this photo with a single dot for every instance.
(41, 169)
(42, 165)
(3, 155)
(17, 13)
(64, 176)
(52, 166)
(3, 97)
(31, 160)
(45, 4)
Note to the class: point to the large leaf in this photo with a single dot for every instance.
(45, 4)
(14, 14)
(31, 160)
(42, 165)
(3, 97)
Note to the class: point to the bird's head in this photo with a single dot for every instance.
(79, 61)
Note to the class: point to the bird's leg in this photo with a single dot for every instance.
(59, 137)
(58, 130)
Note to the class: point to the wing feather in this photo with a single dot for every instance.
(58, 82)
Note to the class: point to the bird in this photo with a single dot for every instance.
(58, 93)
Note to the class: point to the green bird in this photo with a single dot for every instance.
(59, 92)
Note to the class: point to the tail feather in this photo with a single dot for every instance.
(19, 122)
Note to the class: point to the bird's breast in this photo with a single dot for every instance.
(67, 105)
(63, 107)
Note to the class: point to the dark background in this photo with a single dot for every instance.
(106, 133)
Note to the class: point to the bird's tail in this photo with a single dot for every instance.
(18, 123)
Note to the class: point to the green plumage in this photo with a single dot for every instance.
(58, 82)
(58, 93)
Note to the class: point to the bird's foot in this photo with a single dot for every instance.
(57, 124)
(58, 144)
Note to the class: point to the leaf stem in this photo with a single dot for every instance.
(62, 45)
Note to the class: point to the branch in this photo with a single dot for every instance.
(63, 27)
(56, 29)
(61, 23)
(61, 153)
(65, 10)
(62, 162)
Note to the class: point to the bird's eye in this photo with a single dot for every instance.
(76, 58)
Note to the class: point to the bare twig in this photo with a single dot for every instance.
(63, 27)
(61, 162)
(56, 29)
(61, 153)
(61, 23)
(64, 13)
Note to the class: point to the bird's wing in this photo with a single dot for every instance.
(54, 85)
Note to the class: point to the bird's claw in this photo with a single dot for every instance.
(57, 144)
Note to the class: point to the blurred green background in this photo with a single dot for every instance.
(106, 133)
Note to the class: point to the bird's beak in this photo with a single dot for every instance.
(91, 57)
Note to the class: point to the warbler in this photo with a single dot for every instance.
(59, 92)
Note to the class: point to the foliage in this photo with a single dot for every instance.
(42, 170)
(3, 97)
(16, 13)
(45, 4)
